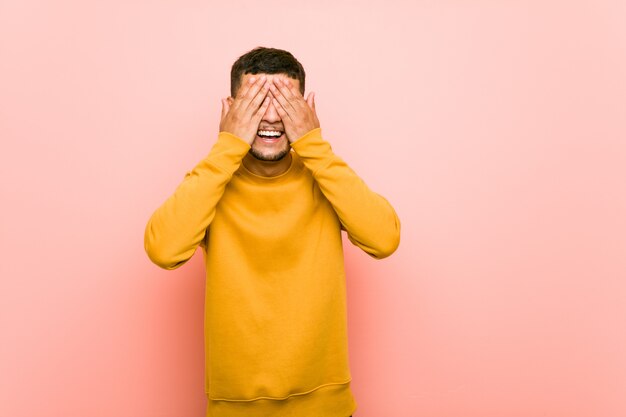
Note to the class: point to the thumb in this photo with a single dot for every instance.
(225, 107)
(311, 100)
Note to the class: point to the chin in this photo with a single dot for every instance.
(269, 155)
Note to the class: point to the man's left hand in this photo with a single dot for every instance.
(298, 115)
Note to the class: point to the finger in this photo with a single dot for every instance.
(309, 100)
(256, 101)
(278, 95)
(243, 90)
(290, 93)
(261, 111)
(281, 110)
(244, 98)
(225, 107)
(291, 86)
(293, 94)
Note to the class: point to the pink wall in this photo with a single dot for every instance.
(495, 128)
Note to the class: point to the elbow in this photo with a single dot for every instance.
(386, 248)
(159, 253)
(383, 246)
(388, 243)
(161, 259)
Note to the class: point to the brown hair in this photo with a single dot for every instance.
(266, 61)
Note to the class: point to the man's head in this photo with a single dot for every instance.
(262, 60)
(274, 63)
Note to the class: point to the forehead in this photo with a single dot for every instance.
(246, 77)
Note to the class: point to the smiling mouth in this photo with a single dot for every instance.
(270, 136)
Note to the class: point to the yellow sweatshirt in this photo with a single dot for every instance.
(275, 304)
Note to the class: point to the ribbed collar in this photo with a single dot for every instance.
(294, 168)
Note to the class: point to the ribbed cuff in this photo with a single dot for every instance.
(316, 153)
(227, 152)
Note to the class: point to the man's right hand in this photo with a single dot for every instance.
(243, 117)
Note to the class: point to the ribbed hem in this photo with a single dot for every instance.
(329, 401)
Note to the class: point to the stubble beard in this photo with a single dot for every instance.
(271, 157)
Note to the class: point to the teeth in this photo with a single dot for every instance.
(274, 133)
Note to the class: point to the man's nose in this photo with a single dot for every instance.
(271, 114)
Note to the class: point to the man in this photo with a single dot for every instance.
(267, 205)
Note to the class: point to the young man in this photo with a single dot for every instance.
(267, 205)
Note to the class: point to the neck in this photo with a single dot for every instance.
(266, 168)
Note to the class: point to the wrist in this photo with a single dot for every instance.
(241, 137)
(316, 131)
(233, 140)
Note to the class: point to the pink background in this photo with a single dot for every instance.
(495, 128)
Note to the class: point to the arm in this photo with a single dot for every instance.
(369, 220)
(179, 225)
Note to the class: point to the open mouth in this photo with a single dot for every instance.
(270, 136)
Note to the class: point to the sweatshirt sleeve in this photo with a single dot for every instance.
(179, 225)
(369, 220)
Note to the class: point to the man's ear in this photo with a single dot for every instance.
(230, 100)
